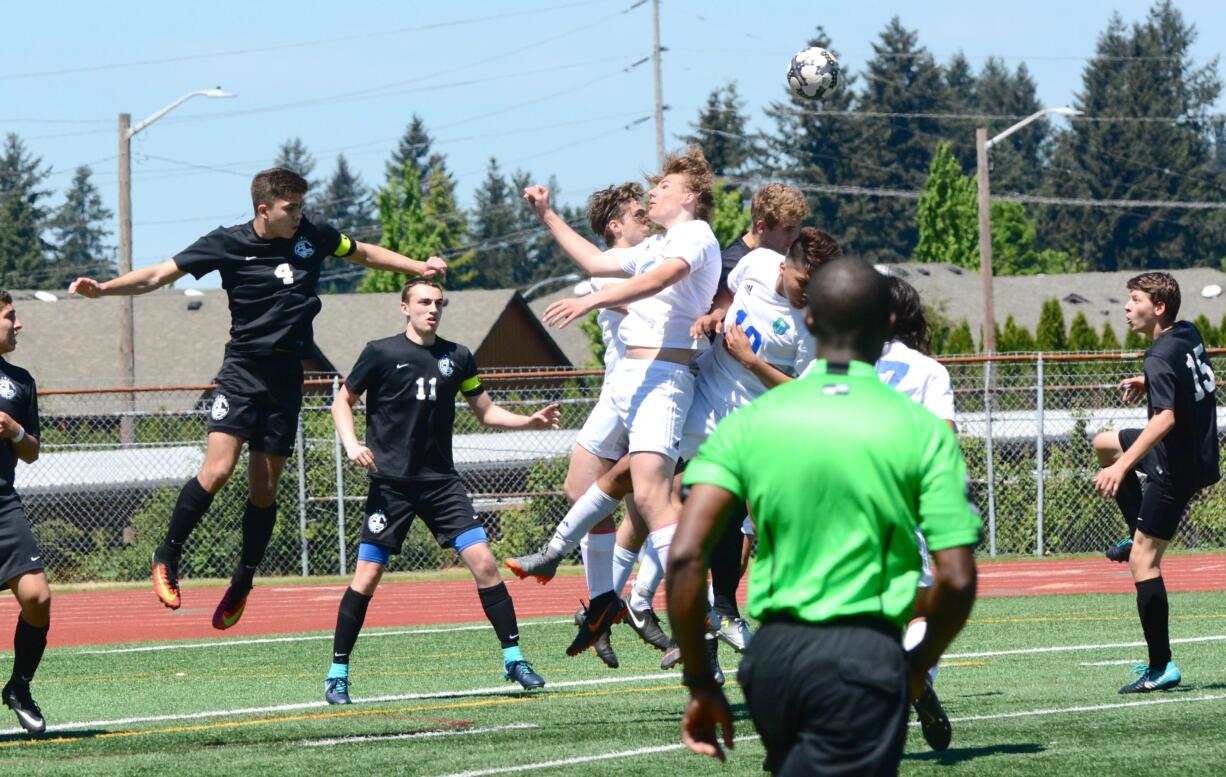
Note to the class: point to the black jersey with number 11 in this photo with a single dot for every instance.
(1178, 377)
(410, 403)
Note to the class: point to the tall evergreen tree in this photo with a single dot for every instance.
(494, 232)
(1145, 71)
(79, 231)
(1107, 341)
(1017, 162)
(1081, 336)
(405, 228)
(346, 203)
(722, 132)
(414, 147)
(23, 251)
(293, 155)
(948, 217)
(732, 217)
(1050, 334)
(441, 207)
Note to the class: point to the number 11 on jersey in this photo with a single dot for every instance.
(421, 388)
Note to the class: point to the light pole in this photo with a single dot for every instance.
(127, 352)
(982, 144)
(569, 277)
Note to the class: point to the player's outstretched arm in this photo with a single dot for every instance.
(342, 416)
(141, 281)
(498, 417)
(639, 287)
(587, 255)
(379, 258)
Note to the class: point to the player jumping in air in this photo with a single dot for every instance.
(1177, 450)
(269, 267)
(411, 381)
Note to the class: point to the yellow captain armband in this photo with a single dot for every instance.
(470, 385)
(346, 246)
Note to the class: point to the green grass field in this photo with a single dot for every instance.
(1049, 708)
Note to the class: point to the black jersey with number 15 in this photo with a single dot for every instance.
(270, 284)
(410, 403)
(18, 398)
(1178, 377)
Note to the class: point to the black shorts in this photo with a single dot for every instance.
(19, 552)
(258, 398)
(828, 699)
(1163, 498)
(444, 505)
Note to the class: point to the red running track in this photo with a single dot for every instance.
(100, 617)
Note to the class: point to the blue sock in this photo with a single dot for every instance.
(510, 654)
(338, 670)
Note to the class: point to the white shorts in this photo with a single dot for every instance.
(652, 398)
(925, 561)
(603, 434)
(702, 419)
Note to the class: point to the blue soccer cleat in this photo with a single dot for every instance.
(521, 672)
(1120, 551)
(336, 690)
(1150, 680)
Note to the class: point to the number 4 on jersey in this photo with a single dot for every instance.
(285, 272)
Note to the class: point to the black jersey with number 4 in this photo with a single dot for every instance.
(410, 403)
(1178, 377)
(18, 398)
(270, 284)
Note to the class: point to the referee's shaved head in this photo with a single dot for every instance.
(849, 310)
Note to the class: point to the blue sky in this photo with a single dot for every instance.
(540, 84)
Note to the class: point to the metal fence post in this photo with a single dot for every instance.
(987, 408)
(340, 487)
(1038, 458)
(302, 513)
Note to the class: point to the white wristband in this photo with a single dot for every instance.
(21, 434)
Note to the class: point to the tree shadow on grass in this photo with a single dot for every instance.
(959, 754)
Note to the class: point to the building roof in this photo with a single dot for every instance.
(571, 339)
(1100, 295)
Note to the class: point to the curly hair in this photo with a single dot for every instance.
(910, 318)
(1161, 287)
(777, 204)
(609, 204)
(692, 164)
(814, 247)
(276, 183)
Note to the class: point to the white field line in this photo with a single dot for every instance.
(672, 677)
(666, 748)
(315, 637)
(415, 735)
(1125, 662)
(1071, 648)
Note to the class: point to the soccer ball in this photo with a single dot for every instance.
(813, 74)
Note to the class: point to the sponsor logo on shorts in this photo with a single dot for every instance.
(221, 407)
(304, 249)
(446, 366)
(8, 389)
(780, 327)
(377, 521)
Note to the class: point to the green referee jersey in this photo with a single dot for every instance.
(838, 470)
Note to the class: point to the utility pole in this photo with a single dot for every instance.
(655, 58)
(985, 240)
(127, 349)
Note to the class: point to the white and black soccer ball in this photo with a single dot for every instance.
(813, 74)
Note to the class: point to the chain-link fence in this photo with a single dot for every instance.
(113, 462)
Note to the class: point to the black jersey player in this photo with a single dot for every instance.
(21, 565)
(411, 380)
(269, 267)
(1177, 450)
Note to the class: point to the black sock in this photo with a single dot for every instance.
(29, 642)
(349, 619)
(1128, 497)
(191, 506)
(726, 567)
(1154, 610)
(500, 610)
(257, 531)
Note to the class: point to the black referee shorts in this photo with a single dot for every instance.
(1163, 498)
(443, 504)
(19, 552)
(828, 699)
(258, 398)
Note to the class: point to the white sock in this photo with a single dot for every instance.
(647, 580)
(598, 562)
(623, 562)
(587, 511)
(661, 540)
(911, 638)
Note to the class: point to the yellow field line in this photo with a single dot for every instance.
(336, 714)
(1090, 618)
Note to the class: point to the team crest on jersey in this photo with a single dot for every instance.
(446, 366)
(221, 406)
(304, 249)
(8, 389)
(377, 521)
(780, 327)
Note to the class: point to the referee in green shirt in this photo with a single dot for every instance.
(838, 469)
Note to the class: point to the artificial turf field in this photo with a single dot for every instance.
(1030, 685)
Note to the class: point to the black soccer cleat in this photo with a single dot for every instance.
(713, 656)
(336, 690)
(934, 723)
(16, 697)
(603, 648)
(647, 625)
(521, 672)
(1120, 551)
(602, 612)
